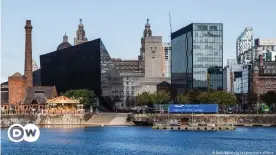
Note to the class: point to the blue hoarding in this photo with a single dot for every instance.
(195, 108)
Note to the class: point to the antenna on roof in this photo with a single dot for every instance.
(170, 23)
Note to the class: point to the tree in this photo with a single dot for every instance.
(193, 95)
(86, 97)
(182, 98)
(223, 98)
(269, 97)
(144, 98)
(215, 97)
(204, 97)
(162, 97)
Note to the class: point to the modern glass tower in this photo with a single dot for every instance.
(244, 44)
(197, 57)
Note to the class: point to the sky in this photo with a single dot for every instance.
(120, 24)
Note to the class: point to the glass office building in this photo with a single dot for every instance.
(197, 57)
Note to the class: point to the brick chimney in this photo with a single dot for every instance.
(28, 72)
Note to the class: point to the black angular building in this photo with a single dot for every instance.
(197, 57)
(84, 66)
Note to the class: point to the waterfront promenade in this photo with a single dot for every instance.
(235, 119)
(121, 119)
(88, 119)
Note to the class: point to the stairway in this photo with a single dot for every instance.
(101, 118)
(118, 121)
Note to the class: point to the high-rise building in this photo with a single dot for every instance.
(244, 43)
(151, 58)
(266, 48)
(167, 60)
(197, 57)
(236, 77)
(84, 66)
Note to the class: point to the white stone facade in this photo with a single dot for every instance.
(130, 81)
(149, 84)
(167, 60)
(153, 56)
(236, 77)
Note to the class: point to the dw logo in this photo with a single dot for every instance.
(29, 133)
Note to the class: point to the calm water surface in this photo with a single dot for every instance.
(141, 141)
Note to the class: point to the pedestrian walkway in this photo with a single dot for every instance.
(101, 118)
(107, 119)
(118, 121)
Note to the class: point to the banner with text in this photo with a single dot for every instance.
(193, 108)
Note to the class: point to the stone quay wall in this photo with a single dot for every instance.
(43, 119)
(236, 119)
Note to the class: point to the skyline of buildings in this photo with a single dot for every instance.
(255, 71)
(193, 60)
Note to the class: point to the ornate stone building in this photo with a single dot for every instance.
(146, 33)
(263, 76)
(151, 57)
(126, 65)
(64, 44)
(80, 35)
(130, 71)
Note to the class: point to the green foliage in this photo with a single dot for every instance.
(143, 98)
(147, 98)
(194, 95)
(162, 97)
(269, 97)
(221, 97)
(85, 96)
(182, 98)
(204, 97)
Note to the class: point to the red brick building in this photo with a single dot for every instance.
(17, 88)
(20, 94)
(263, 77)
